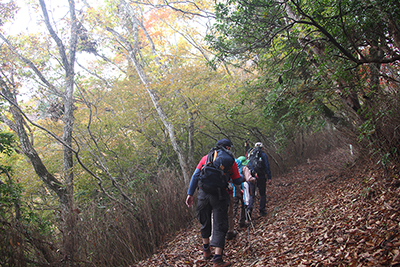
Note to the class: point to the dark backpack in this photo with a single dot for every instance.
(215, 174)
(256, 160)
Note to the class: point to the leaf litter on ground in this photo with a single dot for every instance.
(333, 210)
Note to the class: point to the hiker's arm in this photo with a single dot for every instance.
(265, 159)
(238, 181)
(195, 177)
(235, 175)
(192, 187)
(189, 201)
(194, 182)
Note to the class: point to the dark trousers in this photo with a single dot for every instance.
(208, 204)
(262, 188)
(238, 203)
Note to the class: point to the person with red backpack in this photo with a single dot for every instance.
(211, 178)
(259, 165)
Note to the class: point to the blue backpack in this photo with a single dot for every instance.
(215, 174)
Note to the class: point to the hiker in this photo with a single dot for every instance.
(236, 197)
(263, 173)
(215, 204)
(232, 188)
(239, 194)
(248, 191)
(246, 147)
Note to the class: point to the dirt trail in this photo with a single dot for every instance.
(327, 212)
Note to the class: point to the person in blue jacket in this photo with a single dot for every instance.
(263, 177)
(215, 205)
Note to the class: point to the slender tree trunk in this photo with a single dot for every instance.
(132, 51)
(64, 188)
(63, 192)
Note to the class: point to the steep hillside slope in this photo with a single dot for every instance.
(329, 212)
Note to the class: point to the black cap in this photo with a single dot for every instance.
(224, 143)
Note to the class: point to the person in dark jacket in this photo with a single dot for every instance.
(263, 177)
(217, 205)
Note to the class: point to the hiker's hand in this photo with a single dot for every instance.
(189, 201)
(253, 180)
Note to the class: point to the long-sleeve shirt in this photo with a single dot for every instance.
(234, 174)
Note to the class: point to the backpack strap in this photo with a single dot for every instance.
(210, 157)
(248, 153)
(215, 155)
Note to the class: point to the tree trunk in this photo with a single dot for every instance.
(64, 188)
(63, 191)
(132, 51)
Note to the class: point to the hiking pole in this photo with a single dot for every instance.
(248, 227)
(248, 218)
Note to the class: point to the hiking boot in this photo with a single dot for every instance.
(243, 225)
(231, 235)
(207, 254)
(221, 263)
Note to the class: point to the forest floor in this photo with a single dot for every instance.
(332, 211)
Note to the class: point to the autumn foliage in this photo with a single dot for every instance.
(113, 104)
